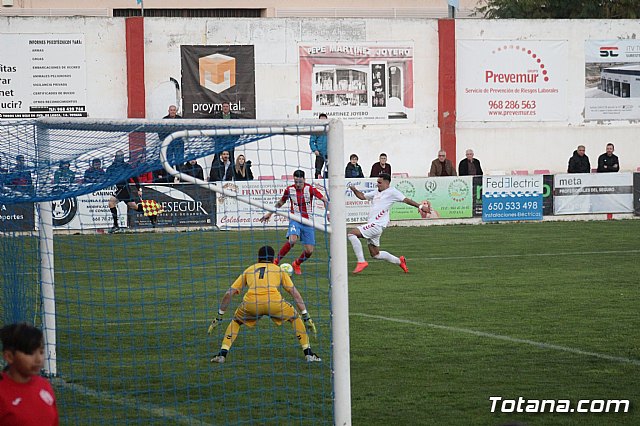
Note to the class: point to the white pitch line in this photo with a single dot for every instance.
(155, 410)
(505, 338)
(497, 256)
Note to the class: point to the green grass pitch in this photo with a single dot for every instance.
(533, 310)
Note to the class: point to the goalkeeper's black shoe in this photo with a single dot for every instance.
(114, 229)
(220, 359)
(311, 357)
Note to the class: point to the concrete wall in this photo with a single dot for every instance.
(412, 146)
(513, 146)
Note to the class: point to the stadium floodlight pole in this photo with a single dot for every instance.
(339, 280)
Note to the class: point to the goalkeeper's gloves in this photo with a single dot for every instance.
(309, 325)
(214, 323)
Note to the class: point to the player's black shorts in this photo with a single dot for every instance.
(123, 194)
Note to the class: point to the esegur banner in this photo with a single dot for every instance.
(358, 82)
(212, 75)
(511, 80)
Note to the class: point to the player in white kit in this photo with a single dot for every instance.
(381, 202)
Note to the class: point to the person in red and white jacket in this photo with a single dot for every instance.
(26, 398)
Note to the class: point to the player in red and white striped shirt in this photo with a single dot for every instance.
(301, 197)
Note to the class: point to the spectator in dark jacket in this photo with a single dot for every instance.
(192, 168)
(222, 168)
(469, 166)
(353, 169)
(242, 170)
(95, 173)
(608, 162)
(579, 162)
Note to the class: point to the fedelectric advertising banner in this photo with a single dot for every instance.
(582, 193)
(512, 198)
(215, 74)
(511, 80)
(42, 75)
(359, 82)
(612, 79)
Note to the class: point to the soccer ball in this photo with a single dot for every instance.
(286, 267)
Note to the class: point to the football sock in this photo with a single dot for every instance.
(284, 250)
(385, 255)
(308, 351)
(304, 256)
(230, 335)
(114, 214)
(301, 332)
(357, 247)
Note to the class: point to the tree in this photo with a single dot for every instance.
(559, 9)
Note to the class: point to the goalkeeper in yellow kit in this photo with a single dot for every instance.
(263, 298)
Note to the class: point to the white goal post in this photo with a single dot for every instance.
(338, 240)
(48, 130)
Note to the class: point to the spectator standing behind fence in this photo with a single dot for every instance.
(222, 169)
(380, 167)
(20, 176)
(318, 145)
(95, 172)
(608, 162)
(26, 398)
(353, 169)
(242, 170)
(64, 177)
(225, 112)
(579, 162)
(442, 166)
(469, 166)
(193, 169)
(175, 150)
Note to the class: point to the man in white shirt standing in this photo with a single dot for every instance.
(381, 202)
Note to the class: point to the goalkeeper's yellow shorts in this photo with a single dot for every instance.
(248, 313)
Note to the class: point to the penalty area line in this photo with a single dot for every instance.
(510, 339)
(153, 409)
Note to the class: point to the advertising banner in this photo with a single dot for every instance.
(511, 198)
(582, 193)
(215, 74)
(547, 195)
(17, 217)
(359, 82)
(42, 75)
(89, 211)
(232, 213)
(450, 198)
(636, 194)
(612, 79)
(511, 80)
(183, 205)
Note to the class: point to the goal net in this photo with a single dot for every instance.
(124, 283)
